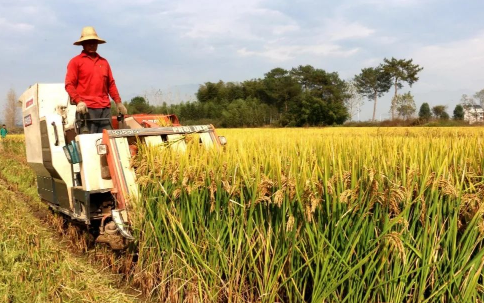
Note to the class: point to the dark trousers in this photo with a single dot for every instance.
(97, 126)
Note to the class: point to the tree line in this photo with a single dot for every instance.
(301, 96)
(469, 103)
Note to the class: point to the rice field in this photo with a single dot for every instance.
(312, 215)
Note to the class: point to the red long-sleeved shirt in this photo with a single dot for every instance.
(91, 80)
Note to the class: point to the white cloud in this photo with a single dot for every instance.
(453, 64)
(339, 29)
(25, 15)
(127, 3)
(285, 52)
(405, 3)
(234, 20)
(283, 29)
(294, 41)
(253, 30)
(14, 27)
(385, 40)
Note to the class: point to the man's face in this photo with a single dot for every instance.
(90, 46)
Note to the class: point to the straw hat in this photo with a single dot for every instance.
(88, 33)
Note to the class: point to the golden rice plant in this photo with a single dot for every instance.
(314, 215)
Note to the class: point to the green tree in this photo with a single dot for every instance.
(304, 75)
(322, 101)
(424, 113)
(242, 113)
(210, 110)
(282, 88)
(311, 110)
(401, 71)
(234, 91)
(458, 112)
(138, 105)
(255, 88)
(279, 99)
(211, 91)
(373, 83)
(329, 87)
(439, 111)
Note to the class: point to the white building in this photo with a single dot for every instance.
(473, 113)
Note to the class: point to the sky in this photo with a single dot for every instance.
(174, 46)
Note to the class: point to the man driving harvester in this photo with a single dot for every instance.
(89, 83)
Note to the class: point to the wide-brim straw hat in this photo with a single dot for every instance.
(89, 33)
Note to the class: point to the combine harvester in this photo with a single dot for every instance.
(88, 177)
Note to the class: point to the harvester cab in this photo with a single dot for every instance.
(88, 176)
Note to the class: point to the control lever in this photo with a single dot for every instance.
(84, 128)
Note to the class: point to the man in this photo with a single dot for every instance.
(89, 83)
(3, 131)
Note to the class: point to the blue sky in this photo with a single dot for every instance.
(154, 45)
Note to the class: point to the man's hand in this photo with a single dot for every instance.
(121, 108)
(81, 108)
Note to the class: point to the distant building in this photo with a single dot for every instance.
(473, 113)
